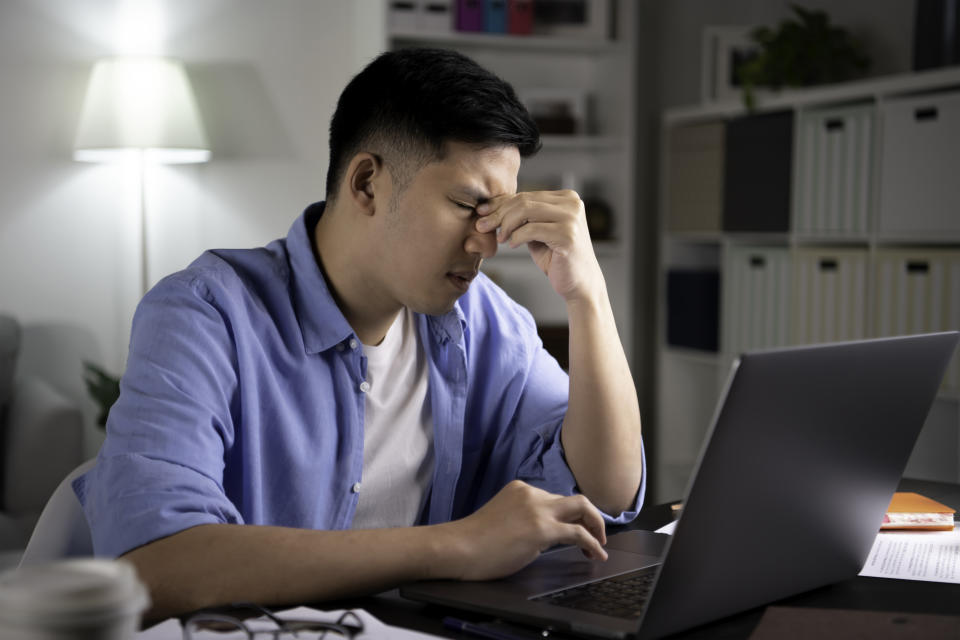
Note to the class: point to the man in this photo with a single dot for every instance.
(361, 376)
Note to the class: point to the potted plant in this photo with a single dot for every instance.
(802, 51)
(103, 388)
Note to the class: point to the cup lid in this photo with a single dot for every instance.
(71, 591)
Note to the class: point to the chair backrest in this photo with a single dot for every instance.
(62, 530)
(42, 442)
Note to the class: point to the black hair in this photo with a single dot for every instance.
(409, 103)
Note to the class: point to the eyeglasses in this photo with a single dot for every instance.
(245, 621)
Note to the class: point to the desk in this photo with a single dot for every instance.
(874, 594)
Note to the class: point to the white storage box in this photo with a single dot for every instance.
(920, 167)
(829, 295)
(756, 299)
(435, 16)
(403, 14)
(919, 292)
(833, 171)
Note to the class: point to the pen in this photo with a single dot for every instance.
(487, 630)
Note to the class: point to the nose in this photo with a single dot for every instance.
(481, 244)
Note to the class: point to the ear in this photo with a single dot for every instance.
(363, 181)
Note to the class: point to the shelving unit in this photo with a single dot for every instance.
(600, 161)
(470, 40)
(833, 263)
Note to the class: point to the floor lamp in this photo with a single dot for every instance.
(140, 109)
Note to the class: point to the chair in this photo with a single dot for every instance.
(41, 440)
(62, 529)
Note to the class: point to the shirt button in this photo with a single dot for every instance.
(364, 386)
(353, 343)
(355, 488)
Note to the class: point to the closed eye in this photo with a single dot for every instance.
(466, 207)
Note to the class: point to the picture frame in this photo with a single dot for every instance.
(557, 111)
(723, 49)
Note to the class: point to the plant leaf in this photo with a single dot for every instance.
(103, 388)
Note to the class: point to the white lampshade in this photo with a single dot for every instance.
(140, 104)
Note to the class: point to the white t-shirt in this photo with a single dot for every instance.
(398, 454)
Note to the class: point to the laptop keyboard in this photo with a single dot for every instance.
(621, 596)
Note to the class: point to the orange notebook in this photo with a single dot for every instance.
(914, 511)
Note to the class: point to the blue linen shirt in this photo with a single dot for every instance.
(241, 403)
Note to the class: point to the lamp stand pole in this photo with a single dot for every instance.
(144, 269)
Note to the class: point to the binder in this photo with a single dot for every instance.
(834, 171)
(520, 17)
(918, 291)
(936, 34)
(495, 16)
(469, 15)
(829, 295)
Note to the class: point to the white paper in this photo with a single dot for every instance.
(932, 556)
(668, 528)
(166, 630)
(373, 627)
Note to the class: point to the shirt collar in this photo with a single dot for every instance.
(449, 326)
(321, 322)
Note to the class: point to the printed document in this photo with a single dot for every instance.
(932, 556)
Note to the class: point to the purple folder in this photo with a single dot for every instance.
(469, 15)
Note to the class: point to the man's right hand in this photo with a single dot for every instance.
(210, 565)
(513, 528)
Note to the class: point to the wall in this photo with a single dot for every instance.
(266, 75)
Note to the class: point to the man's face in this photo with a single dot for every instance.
(430, 247)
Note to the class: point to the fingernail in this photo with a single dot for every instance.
(483, 224)
(483, 209)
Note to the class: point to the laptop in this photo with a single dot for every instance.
(805, 449)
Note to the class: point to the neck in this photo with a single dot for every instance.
(343, 255)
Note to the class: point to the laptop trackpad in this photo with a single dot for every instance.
(567, 566)
(645, 543)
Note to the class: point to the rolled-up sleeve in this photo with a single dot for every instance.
(544, 464)
(160, 470)
(524, 394)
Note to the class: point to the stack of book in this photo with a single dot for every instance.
(916, 512)
(571, 18)
(495, 16)
(436, 16)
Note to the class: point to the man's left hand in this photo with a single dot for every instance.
(553, 225)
